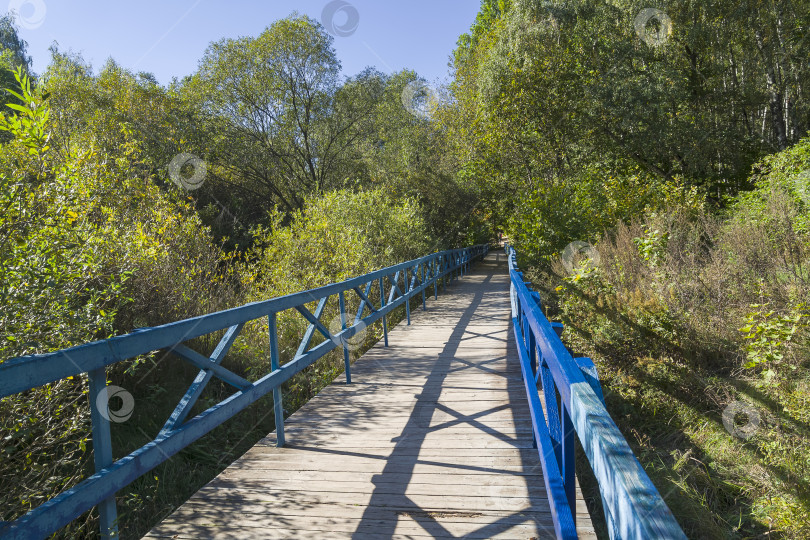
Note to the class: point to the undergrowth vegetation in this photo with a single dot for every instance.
(698, 324)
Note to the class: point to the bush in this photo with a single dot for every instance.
(583, 205)
(90, 248)
(338, 236)
(335, 237)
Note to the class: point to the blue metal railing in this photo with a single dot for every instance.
(396, 285)
(574, 404)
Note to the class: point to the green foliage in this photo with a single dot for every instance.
(13, 45)
(546, 219)
(548, 93)
(89, 248)
(337, 236)
(786, 173)
(406, 153)
(276, 126)
(55, 291)
(768, 333)
(652, 246)
(53, 284)
(491, 11)
(28, 125)
(271, 100)
(13, 56)
(661, 316)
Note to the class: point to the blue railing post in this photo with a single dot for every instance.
(435, 269)
(346, 361)
(382, 305)
(278, 406)
(102, 447)
(406, 294)
(533, 339)
(423, 285)
(568, 463)
(553, 412)
(531, 346)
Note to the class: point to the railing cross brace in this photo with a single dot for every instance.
(205, 363)
(315, 323)
(394, 281)
(365, 301)
(203, 377)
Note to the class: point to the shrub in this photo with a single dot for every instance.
(582, 205)
(335, 237)
(90, 248)
(338, 236)
(688, 312)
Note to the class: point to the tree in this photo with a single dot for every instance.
(279, 125)
(547, 92)
(10, 41)
(13, 56)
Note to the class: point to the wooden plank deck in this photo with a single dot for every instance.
(432, 440)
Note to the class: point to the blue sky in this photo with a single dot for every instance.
(169, 37)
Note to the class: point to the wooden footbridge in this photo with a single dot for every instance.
(439, 430)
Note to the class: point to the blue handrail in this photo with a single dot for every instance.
(574, 404)
(397, 285)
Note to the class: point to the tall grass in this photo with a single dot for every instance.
(687, 314)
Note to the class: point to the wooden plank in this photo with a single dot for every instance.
(326, 533)
(430, 472)
(433, 440)
(436, 493)
(349, 518)
(438, 420)
(317, 503)
(368, 459)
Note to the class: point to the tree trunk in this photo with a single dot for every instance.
(775, 95)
